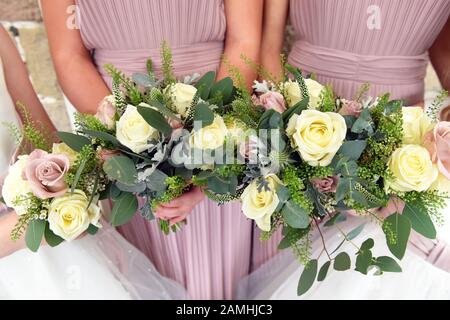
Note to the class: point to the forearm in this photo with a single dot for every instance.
(84, 89)
(440, 56)
(7, 246)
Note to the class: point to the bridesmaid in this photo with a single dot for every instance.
(214, 250)
(347, 43)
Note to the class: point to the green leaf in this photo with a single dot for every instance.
(264, 121)
(74, 141)
(204, 114)
(155, 119)
(307, 278)
(353, 149)
(387, 264)
(52, 239)
(392, 107)
(338, 217)
(92, 230)
(34, 234)
(368, 244)
(343, 188)
(78, 175)
(222, 185)
(296, 109)
(124, 209)
(420, 220)
(363, 261)
(225, 87)
(323, 271)
(205, 83)
(355, 232)
(102, 136)
(363, 123)
(342, 262)
(398, 226)
(122, 169)
(295, 216)
(157, 181)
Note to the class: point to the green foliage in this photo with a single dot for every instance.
(397, 228)
(292, 178)
(34, 234)
(89, 122)
(307, 172)
(84, 180)
(432, 201)
(362, 91)
(262, 72)
(34, 133)
(121, 169)
(238, 80)
(167, 64)
(14, 131)
(125, 206)
(176, 186)
(246, 111)
(229, 170)
(36, 209)
(121, 80)
(327, 100)
(307, 277)
(435, 108)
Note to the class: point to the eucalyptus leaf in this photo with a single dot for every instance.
(296, 109)
(124, 209)
(157, 181)
(155, 119)
(323, 271)
(353, 149)
(397, 228)
(363, 261)
(364, 123)
(355, 232)
(307, 278)
(387, 264)
(342, 262)
(338, 217)
(135, 188)
(122, 169)
(102, 136)
(368, 244)
(74, 141)
(50, 238)
(143, 80)
(203, 114)
(225, 87)
(295, 216)
(205, 84)
(34, 234)
(92, 230)
(420, 220)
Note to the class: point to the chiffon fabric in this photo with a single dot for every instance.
(218, 246)
(384, 43)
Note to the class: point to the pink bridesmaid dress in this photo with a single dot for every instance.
(335, 42)
(382, 42)
(218, 246)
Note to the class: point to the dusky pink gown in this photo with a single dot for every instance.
(340, 42)
(218, 246)
(334, 41)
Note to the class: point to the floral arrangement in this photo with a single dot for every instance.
(53, 189)
(155, 136)
(313, 158)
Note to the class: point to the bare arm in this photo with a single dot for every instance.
(76, 72)
(244, 19)
(275, 14)
(7, 246)
(440, 56)
(18, 81)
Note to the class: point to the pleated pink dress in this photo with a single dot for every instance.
(382, 42)
(218, 246)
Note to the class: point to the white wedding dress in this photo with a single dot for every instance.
(104, 266)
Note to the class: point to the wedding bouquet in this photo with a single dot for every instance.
(53, 189)
(154, 136)
(314, 158)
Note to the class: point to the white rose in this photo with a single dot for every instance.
(259, 205)
(68, 216)
(293, 93)
(15, 186)
(210, 137)
(182, 96)
(134, 132)
(412, 169)
(317, 135)
(64, 149)
(415, 125)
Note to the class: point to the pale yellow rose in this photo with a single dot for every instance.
(293, 93)
(441, 184)
(317, 136)
(134, 132)
(415, 125)
(182, 96)
(69, 217)
(15, 186)
(64, 149)
(210, 137)
(412, 169)
(259, 205)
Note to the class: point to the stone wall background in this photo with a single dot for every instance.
(24, 15)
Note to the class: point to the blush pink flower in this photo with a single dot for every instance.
(46, 173)
(105, 154)
(325, 185)
(273, 100)
(350, 108)
(106, 112)
(437, 143)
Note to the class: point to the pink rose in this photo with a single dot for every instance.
(249, 148)
(325, 185)
(46, 172)
(438, 144)
(350, 108)
(106, 112)
(273, 100)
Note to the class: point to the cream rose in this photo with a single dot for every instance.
(412, 168)
(259, 204)
(134, 132)
(15, 186)
(293, 93)
(441, 184)
(317, 135)
(415, 125)
(68, 216)
(64, 149)
(210, 137)
(182, 96)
